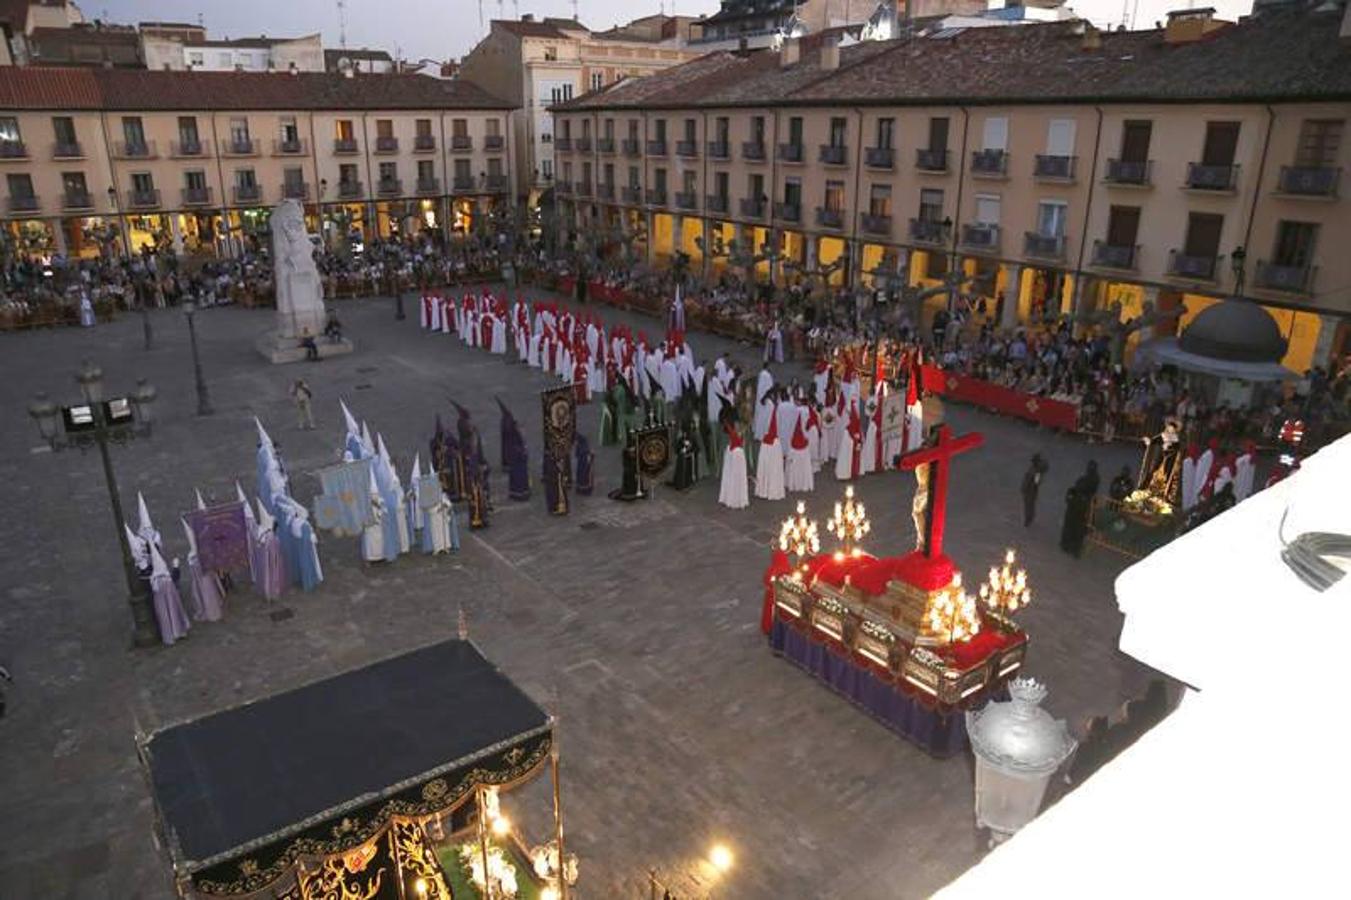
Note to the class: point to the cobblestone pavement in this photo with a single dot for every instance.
(636, 623)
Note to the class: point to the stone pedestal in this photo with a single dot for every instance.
(279, 349)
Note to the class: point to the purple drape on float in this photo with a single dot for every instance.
(939, 734)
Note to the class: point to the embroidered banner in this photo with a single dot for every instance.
(222, 537)
(344, 507)
(560, 420)
(429, 493)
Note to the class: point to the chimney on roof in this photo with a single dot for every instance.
(1091, 39)
(830, 54)
(1188, 25)
(528, 17)
(790, 53)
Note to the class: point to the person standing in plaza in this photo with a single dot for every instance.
(1031, 485)
(303, 396)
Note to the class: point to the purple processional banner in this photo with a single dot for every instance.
(222, 537)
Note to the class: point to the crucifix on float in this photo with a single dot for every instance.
(931, 465)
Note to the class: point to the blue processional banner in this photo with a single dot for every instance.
(222, 537)
(344, 507)
(429, 491)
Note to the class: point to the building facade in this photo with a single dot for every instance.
(1071, 171)
(197, 159)
(537, 64)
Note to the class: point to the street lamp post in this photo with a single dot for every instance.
(100, 431)
(115, 202)
(203, 400)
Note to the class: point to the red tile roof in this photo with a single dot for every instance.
(143, 90)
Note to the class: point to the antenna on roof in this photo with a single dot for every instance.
(480, 14)
(342, 24)
(575, 16)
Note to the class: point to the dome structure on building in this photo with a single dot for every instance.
(1234, 330)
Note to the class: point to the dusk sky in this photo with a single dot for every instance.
(441, 29)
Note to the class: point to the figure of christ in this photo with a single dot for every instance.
(929, 509)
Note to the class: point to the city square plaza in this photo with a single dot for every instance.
(636, 626)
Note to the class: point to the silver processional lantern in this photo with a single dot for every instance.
(1018, 747)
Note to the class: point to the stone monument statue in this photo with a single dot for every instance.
(299, 291)
(300, 296)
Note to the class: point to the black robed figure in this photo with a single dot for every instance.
(629, 488)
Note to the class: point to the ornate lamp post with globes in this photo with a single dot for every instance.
(98, 422)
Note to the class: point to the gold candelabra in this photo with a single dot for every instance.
(798, 534)
(953, 612)
(849, 524)
(1006, 590)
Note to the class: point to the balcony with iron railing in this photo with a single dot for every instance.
(197, 196)
(656, 148)
(240, 147)
(466, 182)
(295, 190)
(655, 197)
(716, 203)
(1129, 172)
(1044, 246)
(752, 208)
(389, 187)
(687, 200)
(386, 144)
(753, 151)
(1202, 177)
(790, 153)
(788, 212)
(67, 150)
(22, 203)
(927, 160)
(719, 150)
(296, 147)
(991, 163)
(428, 184)
(632, 147)
(829, 217)
(350, 189)
(188, 149)
(1200, 267)
(561, 187)
(833, 154)
(144, 198)
(875, 224)
(929, 232)
(344, 146)
(1047, 167)
(582, 189)
(77, 199)
(1115, 256)
(493, 142)
(632, 195)
(13, 149)
(496, 182)
(605, 191)
(1285, 278)
(248, 193)
(605, 145)
(583, 145)
(561, 144)
(1122, 257)
(687, 149)
(1309, 181)
(134, 150)
(981, 237)
(880, 158)
(424, 143)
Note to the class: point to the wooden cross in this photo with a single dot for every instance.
(939, 456)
